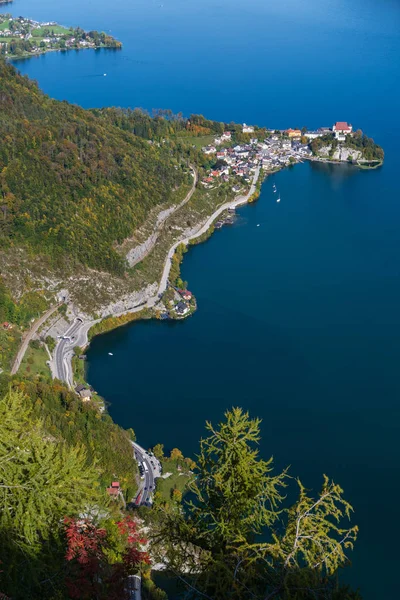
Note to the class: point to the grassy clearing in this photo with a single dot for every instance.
(56, 29)
(166, 487)
(34, 362)
(200, 141)
(79, 369)
(173, 487)
(5, 25)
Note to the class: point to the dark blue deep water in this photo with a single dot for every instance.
(298, 318)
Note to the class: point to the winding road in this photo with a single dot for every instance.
(232, 204)
(61, 364)
(139, 253)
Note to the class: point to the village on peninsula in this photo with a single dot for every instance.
(282, 148)
(21, 37)
(240, 164)
(224, 167)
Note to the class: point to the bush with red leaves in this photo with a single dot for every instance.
(91, 574)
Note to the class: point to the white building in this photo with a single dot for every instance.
(209, 150)
(311, 135)
(247, 128)
(341, 129)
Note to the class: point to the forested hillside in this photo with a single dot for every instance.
(71, 182)
(241, 530)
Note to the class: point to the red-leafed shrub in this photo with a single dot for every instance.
(100, 559)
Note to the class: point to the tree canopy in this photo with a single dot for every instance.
(72, 183)
(238, 538)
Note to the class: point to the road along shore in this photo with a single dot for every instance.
(61, 364)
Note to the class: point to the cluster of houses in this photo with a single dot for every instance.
(340, 129)
(281, 148)
(179, 306)
(20, 29)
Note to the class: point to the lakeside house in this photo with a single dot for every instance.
(226, 136)
(341, 129)
(83, 392)
(181, 309)
(186, 294)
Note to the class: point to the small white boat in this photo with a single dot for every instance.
(258, 224)
(105, 75)
(110, 354)
(274, 191)
(278, 199)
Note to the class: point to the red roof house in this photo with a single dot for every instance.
(114, 489)
(185, 294)
(343, 127)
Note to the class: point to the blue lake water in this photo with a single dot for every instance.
(298, 318)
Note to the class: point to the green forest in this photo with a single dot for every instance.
(76, 183)
(71, 182)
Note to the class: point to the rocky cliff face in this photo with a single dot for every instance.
(341, 153)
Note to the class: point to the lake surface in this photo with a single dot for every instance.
(298, 319)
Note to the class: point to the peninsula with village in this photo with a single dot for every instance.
(126, 195)
(21, 37)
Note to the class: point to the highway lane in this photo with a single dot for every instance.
(152, 470)
(65, 347)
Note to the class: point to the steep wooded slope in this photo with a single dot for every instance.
(71, 183)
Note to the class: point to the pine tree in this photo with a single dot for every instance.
(237, 540)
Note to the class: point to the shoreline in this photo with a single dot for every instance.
(62, 356)
(61, 362)
(37, 54)
(358, 164)
(83, 339)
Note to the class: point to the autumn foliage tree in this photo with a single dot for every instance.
(100, 558)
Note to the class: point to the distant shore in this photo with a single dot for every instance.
(21, 37)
